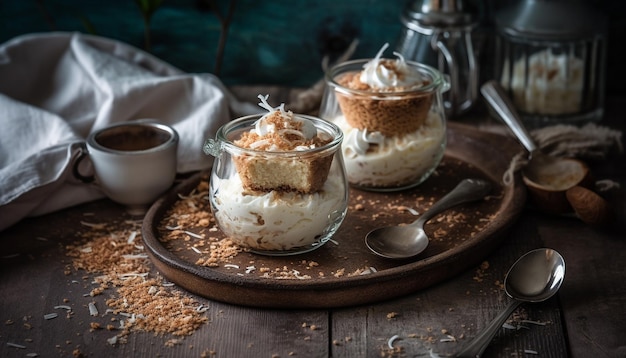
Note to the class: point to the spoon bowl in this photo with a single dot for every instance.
(546, 177)
(401, 242)
(534, 277)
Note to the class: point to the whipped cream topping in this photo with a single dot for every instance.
(359, 141)
(386, 74)
(291, 124)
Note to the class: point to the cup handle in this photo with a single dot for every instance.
(82, 154)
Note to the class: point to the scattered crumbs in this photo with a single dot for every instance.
(116, 263)
(391, 352)
(172, 342)
(481, 271)
(208, 353)
(392, 315)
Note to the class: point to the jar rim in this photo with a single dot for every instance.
(243, 124)
(437, 79)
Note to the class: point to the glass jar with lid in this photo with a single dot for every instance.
(551, 60)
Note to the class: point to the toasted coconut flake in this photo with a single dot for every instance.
(530, 351)
(193, 234)
(93, 225)
(135, 256)
(509, 326)
(126, 276)
(50, 316)
(112, 341)
(449, 338)
(131, 237)
(391, 340)
(63, 307)
(533, 322)
(15, 345)
(93, 310)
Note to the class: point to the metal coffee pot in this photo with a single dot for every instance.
(438, 33)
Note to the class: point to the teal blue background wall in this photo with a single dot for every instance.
(267, 42)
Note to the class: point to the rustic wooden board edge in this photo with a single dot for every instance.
(348, 291)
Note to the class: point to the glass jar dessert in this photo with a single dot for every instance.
(278, 184)
(393, 119)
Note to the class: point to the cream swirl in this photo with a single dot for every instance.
(387, 74)
(359, 141)
(292, 123)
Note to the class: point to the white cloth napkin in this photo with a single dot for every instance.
(57, 88)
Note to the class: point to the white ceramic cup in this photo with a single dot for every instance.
(134, 162)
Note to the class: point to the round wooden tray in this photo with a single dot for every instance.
(344, 272)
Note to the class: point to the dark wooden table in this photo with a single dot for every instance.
(587, 318)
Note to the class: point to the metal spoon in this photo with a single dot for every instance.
(534, 277)
(401, 242)
(540, 166)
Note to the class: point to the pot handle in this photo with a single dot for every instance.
(455, 96)
(437, 44)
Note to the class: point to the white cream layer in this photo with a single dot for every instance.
(393, 161)
(277, 221)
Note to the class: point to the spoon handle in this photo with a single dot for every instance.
(466, 191)
(501, 103)
(478, 344)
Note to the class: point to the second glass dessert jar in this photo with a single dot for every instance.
(401, 136)
(277, 222)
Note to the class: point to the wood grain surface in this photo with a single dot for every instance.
(585, 319)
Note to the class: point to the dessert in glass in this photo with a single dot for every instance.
(392, 115)
(278, 184)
